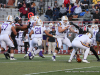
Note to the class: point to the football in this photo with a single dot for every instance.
(78, 60)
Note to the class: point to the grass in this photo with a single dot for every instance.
(45, 66)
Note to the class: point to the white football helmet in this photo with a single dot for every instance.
(89, 35)
(39, 22)
(96, 27)
(92, 27)
(32, 18)
(9, 18)
(50, 25)
(65, 20)
(36, 18)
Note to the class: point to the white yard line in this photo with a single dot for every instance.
(60, 70)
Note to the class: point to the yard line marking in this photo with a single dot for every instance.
(61, 70)
(20, 61)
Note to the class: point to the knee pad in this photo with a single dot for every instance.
(70, 48)
(57, 48)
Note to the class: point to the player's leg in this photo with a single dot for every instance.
(49, 48)
(10, 43)
(58, 46)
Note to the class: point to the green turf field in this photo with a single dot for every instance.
(45, 66)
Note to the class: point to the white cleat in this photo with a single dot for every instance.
(85, 61)
(13, 59)
(69, 61)
(26, 56)
(53, 59)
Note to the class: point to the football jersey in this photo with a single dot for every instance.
(20, 34)
(6, 28)
(94, 33)
(38, 31)
(83, 38)
(62, 34)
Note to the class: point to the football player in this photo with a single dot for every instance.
(61, 31)
(37, 40)
(5, 30)
(18, 26)
(83, 42)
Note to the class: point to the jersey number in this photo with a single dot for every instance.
(4, 26)
(38, 30)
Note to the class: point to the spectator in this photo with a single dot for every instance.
(10, 2)
(28, 3)
(20, 3)
(56, 5)
(84, 4)
(32, 9)
(62, 11)
(93, 9)
(95, 1)
(98, 4)
(77, 11)
(55, 14)
(70, 11)
(98, 40)
(72, 2)
(87, 16)
(41, 6)
(49, 14)
(77, 3)
(96, 17)
(2, 3)
(66, 3)
(51, 41)
(24, 11)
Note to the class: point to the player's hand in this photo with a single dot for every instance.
(66, 27)
(54, 36)
(71, 23)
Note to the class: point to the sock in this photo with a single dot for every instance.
(40, 53)
(8, 50)
(94, 52)
(72, 54)
(19, 49)
(86, 53)
(12, 55)
(54, 55)
(22, 49)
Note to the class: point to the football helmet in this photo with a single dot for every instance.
(17, 19)
(9, 18)
(85, 29)
(64, 19)
(89, 35)
(50, 25)
(39, 22)
(32, 18)
(96, 27)
(92, 27)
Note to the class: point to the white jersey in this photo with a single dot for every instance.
(20, 34)
(94, 33)
(38, 31)
(83, 38)
(62, 34)
(6, 28)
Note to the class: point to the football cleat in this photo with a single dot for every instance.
(69, 61)
(6, 55)
(12, 58)
(98, 60)
(26, 56)
(42, 56)
(85, 61)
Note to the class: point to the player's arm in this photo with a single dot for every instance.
(46, 32)
(21, 27)
(60, 30)
(31, 33)
(72, 30)
(13, 30)
(71, 23)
